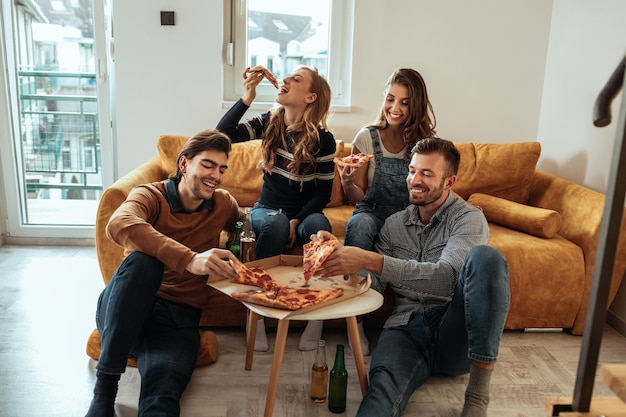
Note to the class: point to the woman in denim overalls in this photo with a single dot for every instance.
(386, 195)
(379, 188)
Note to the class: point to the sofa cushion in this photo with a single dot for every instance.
(244, 177)
(501, 170)
(169, 147)
(536, 221)
(546, 277)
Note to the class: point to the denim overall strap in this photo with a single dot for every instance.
(388, 192)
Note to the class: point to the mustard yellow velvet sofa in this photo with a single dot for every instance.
(546, 227)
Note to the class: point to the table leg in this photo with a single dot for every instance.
(353, 332)
(252, 323)
(279, 350)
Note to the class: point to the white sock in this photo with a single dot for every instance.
(260, 341)
(311, 335)
(365, 344)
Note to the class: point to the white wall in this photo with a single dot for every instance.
(483, 62)
(587, 41)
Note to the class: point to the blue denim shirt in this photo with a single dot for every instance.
(422, 262)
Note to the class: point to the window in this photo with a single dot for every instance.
(283, 34)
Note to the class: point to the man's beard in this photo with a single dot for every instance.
(428, 197)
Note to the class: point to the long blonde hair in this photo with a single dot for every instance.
(315, 117)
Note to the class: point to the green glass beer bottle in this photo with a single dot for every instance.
(338, 386)
(235, 245)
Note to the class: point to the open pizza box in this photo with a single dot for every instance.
(286, 270)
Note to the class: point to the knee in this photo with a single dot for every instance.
(490, 267)
(488, 259)
(361, 221)
(361, 231)
(312, 224)
(276, 226)
(318, 221)
(142, 268)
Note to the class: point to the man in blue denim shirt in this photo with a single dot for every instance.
(451, 290)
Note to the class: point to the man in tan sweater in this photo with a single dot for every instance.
(151, 308)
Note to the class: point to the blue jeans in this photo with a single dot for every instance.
(272, 230)
(441, 339)
(162, 335)
(362, 230)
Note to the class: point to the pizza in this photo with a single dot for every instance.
(355, 160)
(271, 294)
(268, 75)
(288, 298)
(314, 254)
(258, 277)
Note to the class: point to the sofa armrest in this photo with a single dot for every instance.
(110, 255)
(581, 212)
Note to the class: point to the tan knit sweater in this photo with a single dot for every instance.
(145, 222)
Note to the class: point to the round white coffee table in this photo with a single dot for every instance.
(349, 309)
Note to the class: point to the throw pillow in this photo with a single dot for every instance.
(169, 147)
(535, 221)
(501, 170)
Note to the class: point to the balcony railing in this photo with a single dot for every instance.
(60, 138)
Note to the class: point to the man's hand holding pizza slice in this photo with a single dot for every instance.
(347, 260)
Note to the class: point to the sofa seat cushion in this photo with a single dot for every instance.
(546, 278)
(338, 218)
(501, 170)
(535, 221)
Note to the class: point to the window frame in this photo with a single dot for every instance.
(339, 56)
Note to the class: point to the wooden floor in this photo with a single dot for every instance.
(47, 306)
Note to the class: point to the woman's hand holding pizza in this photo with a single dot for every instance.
(347, 174)
(250, 82)
(252, 77)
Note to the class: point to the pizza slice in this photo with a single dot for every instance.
(268, 75)
(355, 160)
(288, 298)
(257, 276)
(314, 254)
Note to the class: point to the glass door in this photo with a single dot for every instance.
(57, 93)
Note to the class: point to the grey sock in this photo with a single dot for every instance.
(477, 392)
